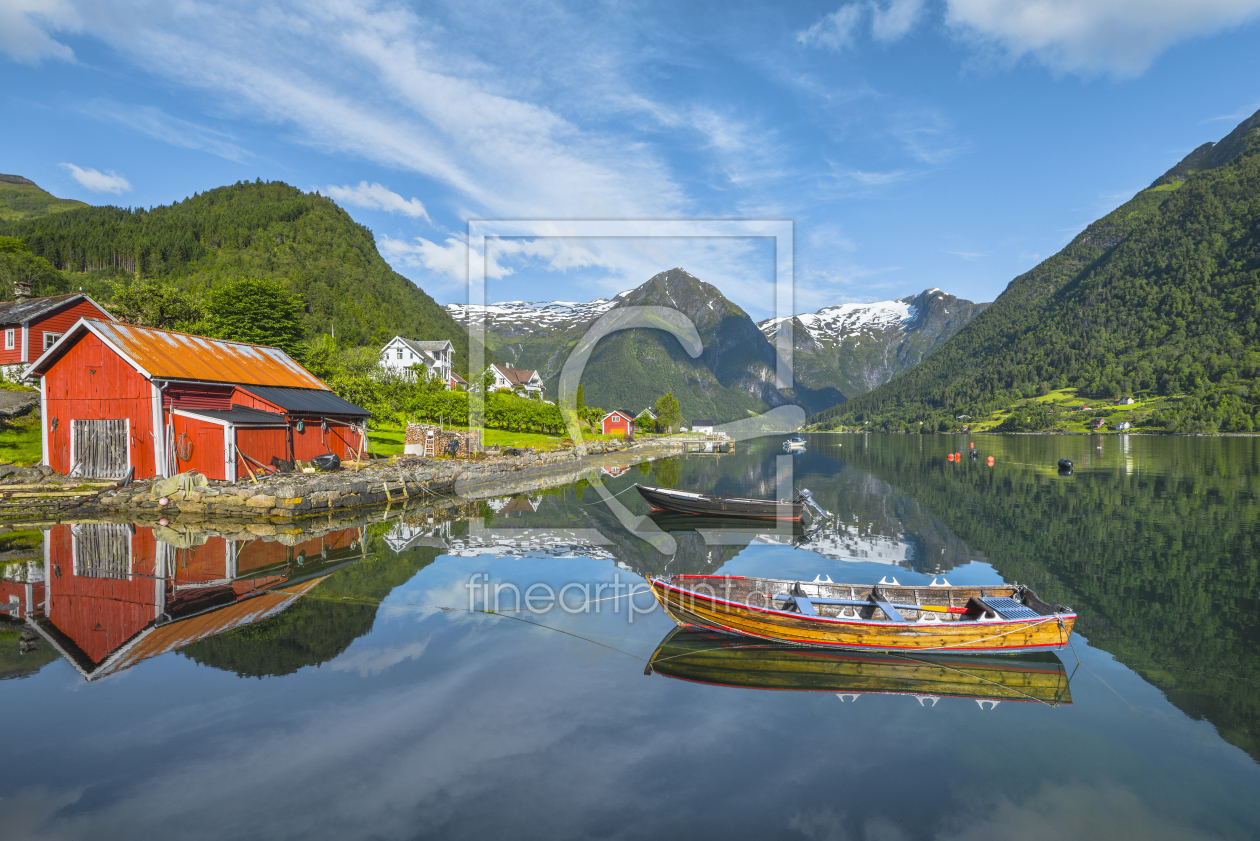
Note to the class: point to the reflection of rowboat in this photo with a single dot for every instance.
(797, 443)
(720, 505)
(702, 656)
(671, 522)
(1002, 619)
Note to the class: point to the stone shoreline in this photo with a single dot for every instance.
(409, 480)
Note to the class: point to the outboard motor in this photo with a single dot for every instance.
(807, 498)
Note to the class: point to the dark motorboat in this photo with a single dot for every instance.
(722, 505)
(701, 656)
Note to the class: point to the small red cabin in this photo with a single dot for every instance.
(618, 422)
(30, 327)
(116, 396)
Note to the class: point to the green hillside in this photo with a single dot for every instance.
(22, 199)
(1160, 298)
(248, 229)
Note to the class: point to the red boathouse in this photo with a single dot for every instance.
(117, 396)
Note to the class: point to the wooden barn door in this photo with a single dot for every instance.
(101, 550)
(100, 449)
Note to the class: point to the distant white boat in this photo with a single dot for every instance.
(796, 443)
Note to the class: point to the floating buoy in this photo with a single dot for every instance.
(974, 455)
(957, 456)
(1065, 464)
(972, 445)
(990, 461)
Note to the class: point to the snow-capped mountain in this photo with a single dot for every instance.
(535, 314)
(856, 347)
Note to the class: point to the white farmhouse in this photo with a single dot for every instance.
(513, 378)
(403, 355)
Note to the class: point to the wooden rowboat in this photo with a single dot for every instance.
(1000, 619)
(720, 505)
(702, 656)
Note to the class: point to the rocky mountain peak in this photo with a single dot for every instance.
(1211, 155)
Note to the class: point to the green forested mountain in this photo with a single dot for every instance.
(257, 229)
(21, 198)
(1160, 296)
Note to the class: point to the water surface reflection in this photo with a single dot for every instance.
(320, 685)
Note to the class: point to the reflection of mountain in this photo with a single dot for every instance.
(1160, 564)
(706, 657)
(116, 595)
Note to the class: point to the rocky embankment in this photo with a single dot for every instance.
(292, 496)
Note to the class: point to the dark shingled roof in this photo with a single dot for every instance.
(238, 415)
(15, 312)
(306, 401)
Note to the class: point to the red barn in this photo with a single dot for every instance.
(31, 326)
(116, 396)
(618, 422)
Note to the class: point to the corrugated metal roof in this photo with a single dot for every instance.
(15, 312)
(180, 356)
(301, 401)
(239, 415)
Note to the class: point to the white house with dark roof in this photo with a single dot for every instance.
(511, 378)
(402, 354)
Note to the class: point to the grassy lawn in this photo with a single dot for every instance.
(388, 440)
(1073, 420)
(20, 443)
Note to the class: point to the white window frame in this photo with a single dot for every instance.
(10, 338)
(51, 339)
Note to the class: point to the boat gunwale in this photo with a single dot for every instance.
(880, 623)
(694, 495)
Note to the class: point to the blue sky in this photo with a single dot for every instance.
(913, 143)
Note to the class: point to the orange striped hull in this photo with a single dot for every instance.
(1002, 636)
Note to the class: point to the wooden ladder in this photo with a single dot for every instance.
(430, 443)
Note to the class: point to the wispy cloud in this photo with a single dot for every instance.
(1119, 38)
(890, 21)
(378, 197)
(970, 256)
(1237, 116)
(159, 125)
(99, 182)
(835, 30)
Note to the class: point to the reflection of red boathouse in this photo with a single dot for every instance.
(116, 595)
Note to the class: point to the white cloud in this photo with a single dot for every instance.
(449, 260)
(159, 125)
(24, 26)
(890, 21)
(377, 197)
(100, 182)
(1091, 37)
(835, 30)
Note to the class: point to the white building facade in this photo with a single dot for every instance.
(436, 358)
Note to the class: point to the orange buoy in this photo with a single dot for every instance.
(972, 445)
(957, 456)
(949, 456)
(990, 461)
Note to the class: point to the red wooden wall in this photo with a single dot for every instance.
(617, 423)
(91, 382)
(261, 445)
(59, 321)
(207, 447)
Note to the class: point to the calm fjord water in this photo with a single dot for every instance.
(344, 702)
